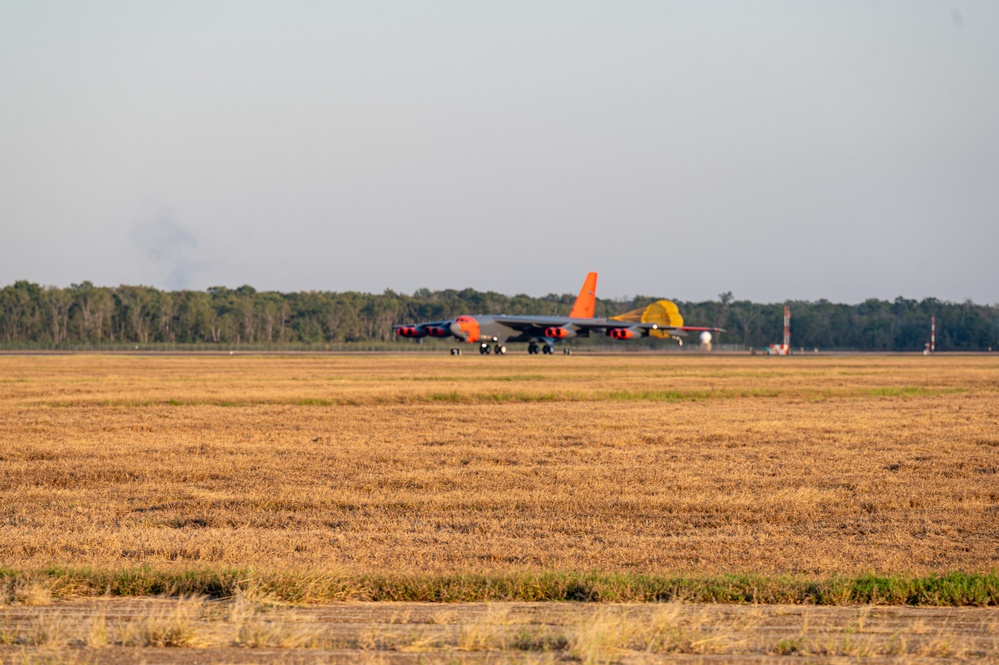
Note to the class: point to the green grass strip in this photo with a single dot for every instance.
(949, 589)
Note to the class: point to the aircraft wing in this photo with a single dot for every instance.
(540, 323)
(696, 329)
(677, 331)
(527, 323)
(610, 324)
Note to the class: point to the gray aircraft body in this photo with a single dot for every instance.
(492, 332)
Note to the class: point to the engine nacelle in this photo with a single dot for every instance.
(409, 331)
(621, 333)
(435, 331)
(558, 333)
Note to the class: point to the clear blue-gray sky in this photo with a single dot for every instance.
(778, 150)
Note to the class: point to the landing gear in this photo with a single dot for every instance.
(532, 348)
(455, 352)
(498, 349)
(567, 351)
(547, 350)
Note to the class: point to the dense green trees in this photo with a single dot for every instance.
(82, 314)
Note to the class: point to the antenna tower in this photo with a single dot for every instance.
(787, 327)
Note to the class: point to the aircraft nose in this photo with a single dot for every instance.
(456, 330)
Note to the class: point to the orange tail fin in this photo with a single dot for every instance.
(586, 300)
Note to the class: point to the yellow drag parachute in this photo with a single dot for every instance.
(662, 312)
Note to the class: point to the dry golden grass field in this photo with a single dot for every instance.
(652, 464)
(261, 480)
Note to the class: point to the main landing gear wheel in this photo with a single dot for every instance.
(532, 348)
(455, 352)
(484, 349)
(499, 350)
(547, 350)
(566, 352)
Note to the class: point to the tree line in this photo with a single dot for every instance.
(82, 314)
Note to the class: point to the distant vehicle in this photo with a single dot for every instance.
(492, 332)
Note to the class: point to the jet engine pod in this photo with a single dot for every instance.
(621, 333)
(409, 331)
(558, 333)
(436, 331)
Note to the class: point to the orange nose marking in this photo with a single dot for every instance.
(470, 327)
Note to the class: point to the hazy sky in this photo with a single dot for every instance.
(778, 150)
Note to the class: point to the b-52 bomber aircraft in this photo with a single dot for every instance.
(494, 331)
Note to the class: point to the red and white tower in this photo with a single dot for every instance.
(933, 333)
(785, 348)
(787, 328)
